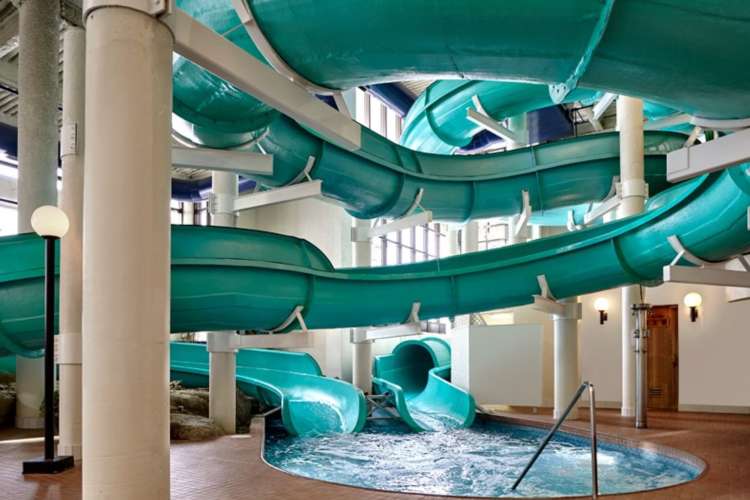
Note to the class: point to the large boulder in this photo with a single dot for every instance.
(193, 428)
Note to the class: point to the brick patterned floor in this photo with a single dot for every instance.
(231, 468)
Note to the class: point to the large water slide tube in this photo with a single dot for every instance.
(542, 41)
(416, 376)
(235, 279)
(438, 123)
(309, 402)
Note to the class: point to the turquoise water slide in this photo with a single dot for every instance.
(225, 279)
(406, 40)
(416, 376)
(437, 121)
(235, 279)
(310, 403)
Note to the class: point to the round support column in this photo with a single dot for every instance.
(126, 272)
(39, 93)
(71, 261)
(566, 370)
(362, 351)
(222, 383)
(630, 126)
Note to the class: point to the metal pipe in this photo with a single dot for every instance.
(594, 443)
(551, 433)
(640, 336)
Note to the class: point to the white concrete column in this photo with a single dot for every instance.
(222, 384)
(188, 213)
(362, 351)
(566, 368)
(126, 245)
(630, 126)
(39, 93)
(71, 260)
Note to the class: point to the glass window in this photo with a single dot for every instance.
(8, 220)
(493, 233)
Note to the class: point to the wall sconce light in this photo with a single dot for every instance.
(693, 300)
(602, 305)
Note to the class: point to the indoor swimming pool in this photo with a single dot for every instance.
(483, 460)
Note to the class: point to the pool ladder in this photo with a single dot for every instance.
(548, 437)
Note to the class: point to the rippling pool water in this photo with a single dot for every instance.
(481, 461)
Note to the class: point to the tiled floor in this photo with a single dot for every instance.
(230, 467)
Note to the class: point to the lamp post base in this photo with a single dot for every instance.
(48, 465)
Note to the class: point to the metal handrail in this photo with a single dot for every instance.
(548, 437)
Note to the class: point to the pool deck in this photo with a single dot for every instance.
(231, 467)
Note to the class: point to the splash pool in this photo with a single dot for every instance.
(481, 461)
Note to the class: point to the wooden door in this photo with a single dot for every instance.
(662, 358)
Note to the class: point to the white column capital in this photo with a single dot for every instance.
(150, 7)
(222, 342)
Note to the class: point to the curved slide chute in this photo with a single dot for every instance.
(234, 279)
(310, 403)
(416, 376)
(449, 39)
(438, 123)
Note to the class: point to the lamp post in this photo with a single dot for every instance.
(50, 223)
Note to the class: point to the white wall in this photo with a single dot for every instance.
(500, 364)
(328, 227)
(713, 351)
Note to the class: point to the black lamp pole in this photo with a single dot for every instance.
(49, 464)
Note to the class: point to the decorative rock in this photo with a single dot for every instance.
(193, 428)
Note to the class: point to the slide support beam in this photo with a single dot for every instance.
(222, 386)
(566, 369)
(361, 350)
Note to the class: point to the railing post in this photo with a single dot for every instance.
(594, 444)
(551, 433)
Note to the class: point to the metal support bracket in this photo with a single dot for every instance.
(521, 220)
(706, 272)
(296, 314)
(570, 222)
(603, 104)
(241, 162)
(260, 40)
(708, 157)
(294, 192)
(491, 125)
(547, 303)
(408, 220)
(627, 189)
(229, 62)
(410, 327)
